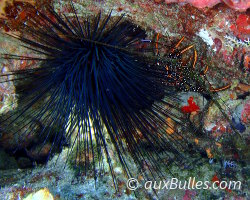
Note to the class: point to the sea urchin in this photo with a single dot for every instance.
(94, 78)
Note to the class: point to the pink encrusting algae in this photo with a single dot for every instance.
(241, 5)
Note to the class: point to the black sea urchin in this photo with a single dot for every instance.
(94, 78)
